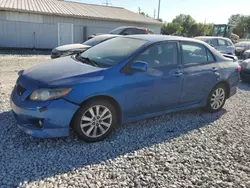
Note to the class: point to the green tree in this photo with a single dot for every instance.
(232, 20)
(185, 25)
(241, 27)
(144, 14)
(171, 28)
(186, 21)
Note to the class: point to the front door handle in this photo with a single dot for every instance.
(178, 73)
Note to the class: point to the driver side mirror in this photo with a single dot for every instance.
(139, 66)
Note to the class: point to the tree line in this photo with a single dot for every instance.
(241, 25)
(185, 25)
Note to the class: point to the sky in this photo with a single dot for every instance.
(209, 11)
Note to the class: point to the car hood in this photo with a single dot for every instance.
(72, 47)
(61, 71)
(239, 48)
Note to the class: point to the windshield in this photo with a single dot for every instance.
(116, 31)
(96, 40)
(113, 51)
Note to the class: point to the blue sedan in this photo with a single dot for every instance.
(122, 80)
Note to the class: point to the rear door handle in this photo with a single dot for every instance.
(214, 69)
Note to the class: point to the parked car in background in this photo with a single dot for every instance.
(221, 44)
(245, 70)
(127, 30)
(71, 49)
(246, 54)
(121, 80)
(241, 48)
(233, 57)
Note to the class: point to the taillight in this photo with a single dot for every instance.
(147, 31)
(239, 68)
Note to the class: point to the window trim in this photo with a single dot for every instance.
(163, 42)
(195, 63)
(126, 68)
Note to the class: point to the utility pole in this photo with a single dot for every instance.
(139, 9)
(159, 7)
(107, 3)
(154, 13)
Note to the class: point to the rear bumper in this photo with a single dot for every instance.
(50, 121)
(233, 91)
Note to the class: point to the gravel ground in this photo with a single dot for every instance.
(187, 149)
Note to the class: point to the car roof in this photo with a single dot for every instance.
(158, 38)
(211, 37)
(125, 27)
(106, 36)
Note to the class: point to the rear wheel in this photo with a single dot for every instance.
(216, 98)
(95, 120)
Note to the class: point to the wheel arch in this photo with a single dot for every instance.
(227, 86)
(104, 97)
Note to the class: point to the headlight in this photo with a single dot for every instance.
(49, 94)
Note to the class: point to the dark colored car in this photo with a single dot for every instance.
(241, 47)
(121, 80)
(71, 49)
(246, 54)
(127, 30)
(245, 70)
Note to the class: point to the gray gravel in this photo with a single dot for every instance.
(187, 149)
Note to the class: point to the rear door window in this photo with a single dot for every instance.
(131, 31)
(228, 43)
(222, 42)
(213, 42)
(195, 53)
(140, 31)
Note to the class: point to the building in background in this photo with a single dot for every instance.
(45, 24)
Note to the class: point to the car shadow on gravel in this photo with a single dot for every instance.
(244, 86)
(28, 159)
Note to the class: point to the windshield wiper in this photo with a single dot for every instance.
(86, 60)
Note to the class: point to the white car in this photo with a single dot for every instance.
(221, 44)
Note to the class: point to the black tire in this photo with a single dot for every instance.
(77, 119)
(209, 107)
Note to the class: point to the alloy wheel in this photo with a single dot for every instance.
(217, 98)
(96, 121)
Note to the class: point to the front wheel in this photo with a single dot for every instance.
(216, 99)
(95, 120)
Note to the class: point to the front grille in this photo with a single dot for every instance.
(20, 90)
